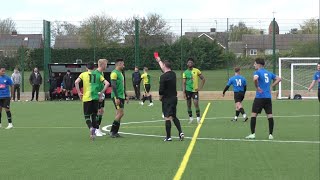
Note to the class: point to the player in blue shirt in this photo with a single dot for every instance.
(263, 82)
(239, 84)
(316, 77)
(5, 96)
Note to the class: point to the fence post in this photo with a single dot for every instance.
(47, 54)
(137, 43)
(22, 59)
(274, 47)
(94, 41)
(319, 37)
(181, 53)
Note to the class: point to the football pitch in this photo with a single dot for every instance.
(50, 141)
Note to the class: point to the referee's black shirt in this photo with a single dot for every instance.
(168, 85)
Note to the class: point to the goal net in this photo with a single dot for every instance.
(297, 74)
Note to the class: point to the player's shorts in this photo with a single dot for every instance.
(121, 105)
(169, 106)
(68, 88)
(238, 96)
(101, 104)
(5, 102)
(90, 107)
(147, 88)
(193, 95)
(262, 103)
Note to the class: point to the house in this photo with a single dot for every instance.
(70, 42)
(148, 40)
(252, 45)
(10, 43)
(220, 37)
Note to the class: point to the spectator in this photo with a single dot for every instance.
(16, 79)
(53, 85)
(136, 79)
(35, 81)
(68, 82)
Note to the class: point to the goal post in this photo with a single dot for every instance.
(296, 74)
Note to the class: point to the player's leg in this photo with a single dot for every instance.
(149, 95)
(166, 109)
(87, 114)
(0, 112)
(188, 97)
(6, 106)
(244, 115)
(144, 96)
(195, 97)
(175, 119)
(268, 110)
(319, 94)
(99, 119)
(256, 109)
(116, 123)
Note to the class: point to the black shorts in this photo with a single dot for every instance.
(5, 102)
(90, 107)
(169, 106)
(238, 96)
(121, 105)
(147, 88)
(193, 95)
(101, 104)
(69, 88)
(262, 103)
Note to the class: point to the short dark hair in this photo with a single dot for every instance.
(119, 60)
(190, 59)
(237, 69)
(90, 65)
(68, 70)
(260, 61)
(167, 64)
(319, 62)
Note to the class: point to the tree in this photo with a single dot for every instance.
(101, 30)
(236, 31)
(154, 30)
(64, 28)
(7, 26)
(309, 26)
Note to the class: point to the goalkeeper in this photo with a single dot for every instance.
(316, 77)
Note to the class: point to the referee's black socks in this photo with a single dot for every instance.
(177, 124)
(253, 124)
(271, 124)
(168, 128)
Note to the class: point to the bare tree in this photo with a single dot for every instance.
(7, 26)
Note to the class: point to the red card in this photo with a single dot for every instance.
(156, 55)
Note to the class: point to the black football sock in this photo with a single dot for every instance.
(117, 127)
(0, 117)
(99, 119)
(253, 124)
(242, 111)
(150, 99)
(94, 120)
(190, 112)
(198, 112)
(271, 124)
(143, 98)
(168, 128)
(177, 124)
(88, 121)
(114, 127)
(237, 113)
(9, 116)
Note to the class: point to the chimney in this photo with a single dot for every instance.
(261, 32)
(212, 31)
(14, 33)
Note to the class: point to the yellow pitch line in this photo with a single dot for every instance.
(186, 157)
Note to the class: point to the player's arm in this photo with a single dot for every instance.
(276, 81)
(311, 85)
(245, 89)
(76, 83)
(225, 90)
(184, 84)
(203, 80)
(256, 83)
(160, 63)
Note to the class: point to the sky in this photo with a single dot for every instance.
(261, 11)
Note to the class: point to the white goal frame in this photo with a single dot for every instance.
(292, 79)
(281, 60)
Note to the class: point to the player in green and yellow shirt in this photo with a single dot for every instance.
(91, 81)
(118, 95)
(145, 77)
(191, 88)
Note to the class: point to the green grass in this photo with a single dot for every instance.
(50, 141)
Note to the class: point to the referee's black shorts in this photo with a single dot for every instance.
(147, 88)
(169, 106)
(262, 103)
(90, 107)
(238, 96)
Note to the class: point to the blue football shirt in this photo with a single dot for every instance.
(238, 82)
(316, 77)
(264, 82)
(5, 82)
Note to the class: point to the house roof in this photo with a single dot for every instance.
(236, 47)
(70, 42)
(221, 37)
(8, 41)
(283, 41)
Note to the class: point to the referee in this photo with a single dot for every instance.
(168, 97)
